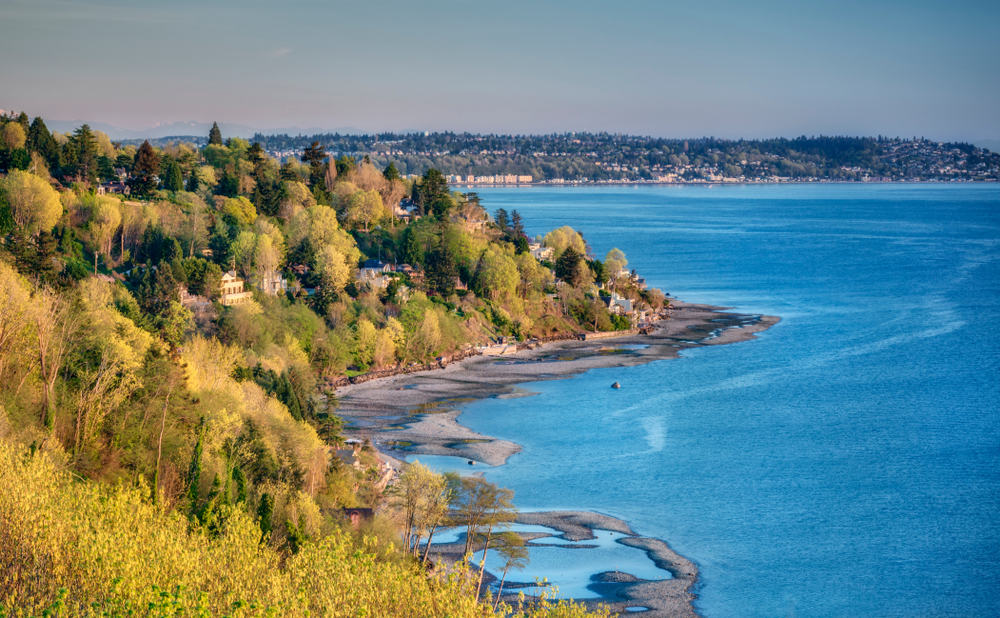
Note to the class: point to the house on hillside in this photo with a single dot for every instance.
(232, 292)
(539, 252)
(114, 186)
(358, 515)
(403, 214)
(374, 273)
(273, 284)
(619, 305)
(349, 456)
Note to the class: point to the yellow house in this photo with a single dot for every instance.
(232, 290)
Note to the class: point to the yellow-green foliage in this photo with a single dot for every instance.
(81, 548)
(292, 443)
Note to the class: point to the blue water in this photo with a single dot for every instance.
(843, 463)
(552, 554)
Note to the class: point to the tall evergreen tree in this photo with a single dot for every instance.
(255, 155)
(215, 135)
(569, 267)
(315, 156)
(194, 471)
(390, 172)
(432, 190)
(84, 153)
(442, 270)
(173, 180)
(265, 510)
(502, 220)
(516, 224)
(40, 140)
(145, 170)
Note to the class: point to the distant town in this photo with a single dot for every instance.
(582, 158)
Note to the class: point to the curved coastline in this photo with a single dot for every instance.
(417, 413)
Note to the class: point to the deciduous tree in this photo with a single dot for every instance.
(34, 204)
(365, 208)
(13, 136)
(332, 268)
(56, 323)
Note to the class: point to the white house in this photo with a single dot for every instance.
(374, 273)
(273, 284)
(619, 305)
(539, 252)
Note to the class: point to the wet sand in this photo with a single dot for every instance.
(417, 414)
(618, 589)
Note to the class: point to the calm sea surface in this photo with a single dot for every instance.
(847, 462)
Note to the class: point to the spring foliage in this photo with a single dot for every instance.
(72, 548)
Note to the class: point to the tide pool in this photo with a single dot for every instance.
(843, 463)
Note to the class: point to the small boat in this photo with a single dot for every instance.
(616, 385)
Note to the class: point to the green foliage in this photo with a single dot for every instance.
(6, 215)
(42, 142)
(78, 549)
(215, 135)
(228, 417)
(145, 170)
(431, 194)
(390, 172)
(173, 179)
(570, 267)
(604, 156)
(194, 471)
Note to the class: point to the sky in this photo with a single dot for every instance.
(662, 68)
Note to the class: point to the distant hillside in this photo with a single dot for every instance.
(583, 157)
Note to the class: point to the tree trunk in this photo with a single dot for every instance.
(159, 449)
(427, 550)
(482, 563)
(500, 590)
(78, 432)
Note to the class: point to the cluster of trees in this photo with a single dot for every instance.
(222, 413)
(82, 155)
(428, 501)
(80, 549)
(605, 156)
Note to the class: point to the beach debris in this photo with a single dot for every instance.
(616, 385)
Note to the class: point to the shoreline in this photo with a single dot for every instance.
(717, 183)
(618, 589)
(417, 413)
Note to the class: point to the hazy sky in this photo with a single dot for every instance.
(658, 67)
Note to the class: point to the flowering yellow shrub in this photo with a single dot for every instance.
(81, 548)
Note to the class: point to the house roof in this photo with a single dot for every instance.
(373, 264)
(347, 456)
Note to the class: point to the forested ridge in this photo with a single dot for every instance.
(170, 444)
(595, 157)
